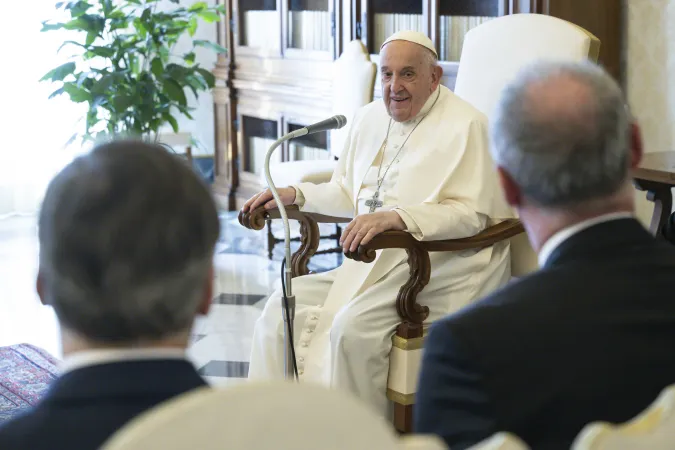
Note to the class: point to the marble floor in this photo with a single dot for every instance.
(221, 341)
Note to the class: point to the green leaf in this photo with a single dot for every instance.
(60, 72)
(189, 57)
(157, 67)
(209, 16)
(192, 29)
(140, 28)
(102, 86)
(91, 37)
(210, 45)
(52, 26)
(198, 6)
(56, 93)
(209, 78)
(79, 8)
(122, 102)
(175, 92)
(147, 13)
(76, 94)
(105, 52)
(67, 43)
(172, 121)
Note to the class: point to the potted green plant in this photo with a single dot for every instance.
(125, 67)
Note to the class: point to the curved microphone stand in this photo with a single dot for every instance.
(288, 299)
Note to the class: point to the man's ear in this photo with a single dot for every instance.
(207, 298)
(436, 77)
(636, 149)
(40, 288)
(512, 193)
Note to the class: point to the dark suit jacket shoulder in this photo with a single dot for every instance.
(588, 337)
(85, 407)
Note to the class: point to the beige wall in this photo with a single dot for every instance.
(651, 76)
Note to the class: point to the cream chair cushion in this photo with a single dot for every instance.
(492, 55)
(263, 416)
(293, 172)
(654, 429)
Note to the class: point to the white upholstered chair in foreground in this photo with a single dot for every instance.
(352, 87)
(501, 441)
(264, 416)
(654, 429)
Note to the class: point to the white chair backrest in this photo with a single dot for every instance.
(494, 52)
(501, 441)
(263, 416)
(353, 84)
(654, 429)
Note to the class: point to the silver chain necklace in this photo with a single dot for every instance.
(375, 202)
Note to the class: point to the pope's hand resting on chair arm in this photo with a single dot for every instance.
(265, 198)
(363, 228)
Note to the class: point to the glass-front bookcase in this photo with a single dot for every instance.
(452, 19)
(308, 147)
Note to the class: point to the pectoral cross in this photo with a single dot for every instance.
(374, 203)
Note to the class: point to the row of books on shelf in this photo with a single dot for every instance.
(384, 25)
(258, 147)
(261, 29)
(310, 30)
(452, 30)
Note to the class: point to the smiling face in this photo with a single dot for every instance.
(409, 77)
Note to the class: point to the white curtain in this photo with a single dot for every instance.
(33, 128)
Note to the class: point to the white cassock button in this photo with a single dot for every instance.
(310, 330)
(301, 359)
(314, 317)
(300, 372)
(396, 146)
(304, 343)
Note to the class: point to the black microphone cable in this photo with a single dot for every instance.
(288, 317)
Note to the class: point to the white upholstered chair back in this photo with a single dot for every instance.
(264, 416)
(494, 52)
(353, 84)
(501, 441)
(654, 429)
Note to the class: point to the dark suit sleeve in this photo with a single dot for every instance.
(451, 401)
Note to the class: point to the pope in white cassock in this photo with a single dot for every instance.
(417, 160)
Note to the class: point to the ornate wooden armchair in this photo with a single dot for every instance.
(509, 43)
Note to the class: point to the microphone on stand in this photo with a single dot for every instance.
(288, 304)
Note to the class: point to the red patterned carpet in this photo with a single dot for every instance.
(25, 374)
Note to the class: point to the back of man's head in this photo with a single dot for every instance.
(562, 134)
(127, 235)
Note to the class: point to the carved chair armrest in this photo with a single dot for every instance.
(412, 313)
(309, 231)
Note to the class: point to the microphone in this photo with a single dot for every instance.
(333, 123)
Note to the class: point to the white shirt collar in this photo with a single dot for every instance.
(88, 358)
(561, 236)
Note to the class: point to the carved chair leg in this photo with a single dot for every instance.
(271, 242)
(309, 243)
(403, 418)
